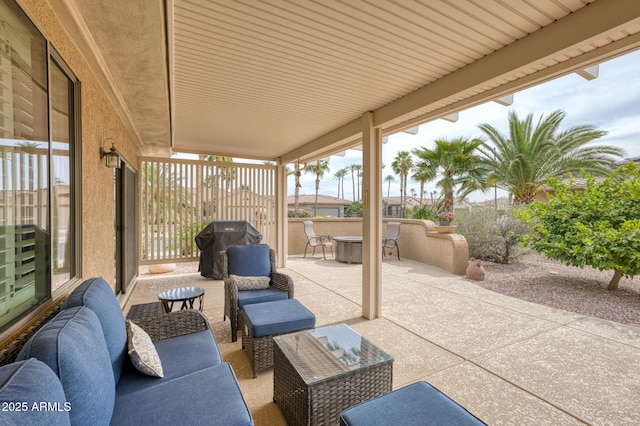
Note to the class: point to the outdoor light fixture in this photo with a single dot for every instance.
(112, 156)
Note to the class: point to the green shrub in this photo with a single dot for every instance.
(598, 226)
(423, 212)
(354, 209)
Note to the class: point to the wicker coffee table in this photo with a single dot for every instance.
(318, 373)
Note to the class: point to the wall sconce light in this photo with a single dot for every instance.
(112, 156)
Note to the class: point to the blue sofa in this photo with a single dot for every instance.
(85, 345)
(31, 394)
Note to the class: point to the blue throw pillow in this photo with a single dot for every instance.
(250, 260)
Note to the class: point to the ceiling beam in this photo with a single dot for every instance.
(342, 138)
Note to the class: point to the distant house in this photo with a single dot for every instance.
(391, 206)
(327, 205)
(580, 183)
(627, 160)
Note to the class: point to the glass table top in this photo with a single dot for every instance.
(182, 293)
(327, 352)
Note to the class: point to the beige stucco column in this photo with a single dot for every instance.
(282, 230)
(371, 219)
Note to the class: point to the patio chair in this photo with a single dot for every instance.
(314, 240)
(250, 276)
(390, 237)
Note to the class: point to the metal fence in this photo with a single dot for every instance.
(180, 197)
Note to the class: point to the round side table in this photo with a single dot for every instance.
(186, 295)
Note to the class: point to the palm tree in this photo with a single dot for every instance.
(319, 170)
(423, 172)
(402, 163)
(521, 162)
(226, 173)
(339, 176)
(389, 179)
(455, 160)
(215, 179)
(357, 168)
(296, 197)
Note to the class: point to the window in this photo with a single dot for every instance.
(37, 139)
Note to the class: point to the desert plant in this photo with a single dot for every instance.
(492, 235)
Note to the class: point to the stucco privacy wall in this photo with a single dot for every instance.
(99, 121)
(418, 240)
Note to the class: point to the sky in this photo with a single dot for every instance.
(610, 102)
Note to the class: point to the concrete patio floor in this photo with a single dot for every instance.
(508, 361)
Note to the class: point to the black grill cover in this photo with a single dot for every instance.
(216, 237)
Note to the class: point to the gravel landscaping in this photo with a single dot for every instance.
(581, 290)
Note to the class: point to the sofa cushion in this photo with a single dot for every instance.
(179, 355)
(282, 316)
(251, 283)
(142, 351)
(270, 294)
(96, 294)
(73, 346)
(249, 260)
(210, 396)
(24, 387)
(413, 405)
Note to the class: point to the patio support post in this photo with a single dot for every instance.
(371, 218)
(282, 229)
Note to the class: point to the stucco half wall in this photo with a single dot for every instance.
(418, 240)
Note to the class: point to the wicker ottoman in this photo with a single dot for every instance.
(413, 405)
(263, 321)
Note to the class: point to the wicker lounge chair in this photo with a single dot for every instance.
(248, 262)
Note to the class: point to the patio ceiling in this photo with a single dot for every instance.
(291, 79)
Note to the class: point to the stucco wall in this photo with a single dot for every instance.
(99, 121)
(418, 240)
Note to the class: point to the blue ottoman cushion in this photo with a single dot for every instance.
(250, 297)
(24, 386)
(96, 294)
(73, 346)
(251, 260)
(418, 404)
(283, 316)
